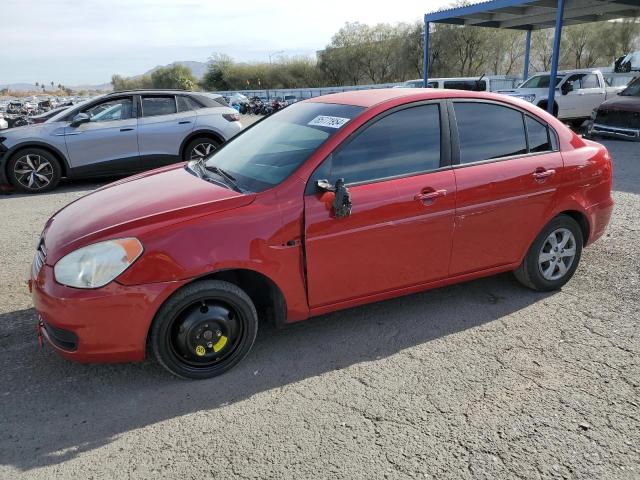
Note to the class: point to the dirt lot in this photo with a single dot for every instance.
(480, 380)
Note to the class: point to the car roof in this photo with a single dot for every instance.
(161, 91)
(369, 98)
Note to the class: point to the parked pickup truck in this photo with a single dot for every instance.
(578, 93)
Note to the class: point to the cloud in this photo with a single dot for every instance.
(85, 41)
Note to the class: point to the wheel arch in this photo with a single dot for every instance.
(200, 133)
(543, 104)
(582, 220)
(41, 145)
(265, 294)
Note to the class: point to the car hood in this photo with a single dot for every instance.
(626, 103)
(133, 205)
(524, 91)
(35, 131)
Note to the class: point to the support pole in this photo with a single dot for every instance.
(527, 50)
(426, 55)
(554, 58)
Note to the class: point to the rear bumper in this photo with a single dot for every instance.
(109, 324)
(599, 216)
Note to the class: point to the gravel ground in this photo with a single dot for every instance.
(480, 380)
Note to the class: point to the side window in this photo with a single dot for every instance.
(538, 135)
(403, 142)
(153, 106)
(184, 104)
(590, 81)
(487, 131)
(117, 109)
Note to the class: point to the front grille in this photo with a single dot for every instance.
(39, 258)
(618, 118)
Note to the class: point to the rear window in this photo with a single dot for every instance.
(473, 85)
(208, 101)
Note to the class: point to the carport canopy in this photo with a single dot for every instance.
(529, 15)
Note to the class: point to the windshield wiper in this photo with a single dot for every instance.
(229, 179)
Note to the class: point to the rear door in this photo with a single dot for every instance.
(108, 143)
(165, 121)
(403, 196)
(507, 173)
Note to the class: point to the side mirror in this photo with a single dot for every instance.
(79, 119)
(567, 87)
(342, 199)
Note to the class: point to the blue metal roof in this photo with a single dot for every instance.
(534, 14)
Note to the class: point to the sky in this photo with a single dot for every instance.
(84, 42)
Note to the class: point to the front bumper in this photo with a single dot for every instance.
(616, 132)
(109, 324)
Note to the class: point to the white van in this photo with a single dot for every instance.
(475, 84)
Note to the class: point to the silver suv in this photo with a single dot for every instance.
(115, 134)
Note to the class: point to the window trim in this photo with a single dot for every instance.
(445, 145)
(177, 97)
(173, 97)
(82, 109)
(455, 146)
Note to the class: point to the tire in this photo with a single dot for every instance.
(543, 105)
(204, 329)
(576, 124)
(533, 272)
(44, 167)
(203, 145)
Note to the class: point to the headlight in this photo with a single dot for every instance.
(96, 265)
(528, 98)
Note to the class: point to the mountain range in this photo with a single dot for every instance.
(197, 68)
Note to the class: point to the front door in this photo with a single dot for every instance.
(399, 231)
(506, 182)
(162, 128)
(108, 143)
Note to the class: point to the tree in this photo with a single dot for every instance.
(173, 76)
(217, 72)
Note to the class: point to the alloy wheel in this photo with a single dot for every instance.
(202, 150)
(33, 172)
(557, 254)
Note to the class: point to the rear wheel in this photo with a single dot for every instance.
(553, 257)
(200, 147)
(34, 170)
(204, 329)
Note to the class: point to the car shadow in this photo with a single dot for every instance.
(53, 409)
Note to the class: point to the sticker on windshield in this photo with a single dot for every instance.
(327, 121)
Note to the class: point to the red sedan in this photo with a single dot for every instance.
(332, 202)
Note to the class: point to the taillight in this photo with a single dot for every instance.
(231, 117)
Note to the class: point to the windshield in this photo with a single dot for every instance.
(272, 149)
(60, 115)
(633, 90)
(539, 81)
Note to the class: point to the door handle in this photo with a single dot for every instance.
(543, 174)
(429, 195)
(126, 129)
(184, 121)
